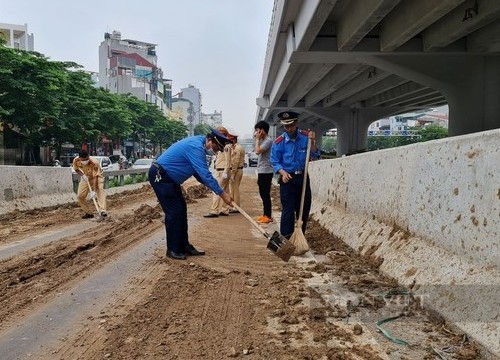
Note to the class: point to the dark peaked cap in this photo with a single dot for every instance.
(288, 117)
(220, 139)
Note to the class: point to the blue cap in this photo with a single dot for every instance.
(220, 139)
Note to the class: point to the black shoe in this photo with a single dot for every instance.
(210, 215)
(87, 216)
(177, 256)
(234, 211)
(104, 213)
(191, 250)
(223, 214)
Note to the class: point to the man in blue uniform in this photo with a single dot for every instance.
(180, 161)
(288, 157)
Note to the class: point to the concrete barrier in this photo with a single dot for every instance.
(30, 187)
(23, 187)
(431, 211)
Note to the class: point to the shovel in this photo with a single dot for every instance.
(99, 212)
(277, 243)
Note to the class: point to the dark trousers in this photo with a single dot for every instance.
(264, 182)
(290, 194)
(174, 206)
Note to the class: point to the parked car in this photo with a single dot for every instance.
(106, 163)
(120, 160)
(253, 158)
(142, 164)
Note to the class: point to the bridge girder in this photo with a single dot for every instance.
(354, 55)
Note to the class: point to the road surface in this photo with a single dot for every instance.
(82, 289)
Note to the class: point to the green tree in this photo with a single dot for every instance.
(329, 144)
(115, 117)
(78, 117)
(385, 142)
(167, 132)
(202, 129)
(139, 111)
(432, 132)
(31, 91)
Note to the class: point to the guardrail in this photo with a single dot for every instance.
(121, 175)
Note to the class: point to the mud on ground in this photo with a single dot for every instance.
(237, 301)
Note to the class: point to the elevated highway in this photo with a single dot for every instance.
(428, 211)
(347, 63)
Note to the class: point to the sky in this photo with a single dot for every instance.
(216, 45)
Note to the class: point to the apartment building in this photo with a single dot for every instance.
(17, 36)
(214, 119)
(131, 66)
(183, 110)
(405, 121)
(193, 94)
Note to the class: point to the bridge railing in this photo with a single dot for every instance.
(120, 176)
(407, 133)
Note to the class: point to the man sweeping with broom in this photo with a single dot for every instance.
(290, 155)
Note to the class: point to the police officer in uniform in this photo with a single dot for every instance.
(222, 174)
(91, 173)
(237, 164)
(288, 157)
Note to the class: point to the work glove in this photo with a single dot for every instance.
(224, 176)
(85, 178)
(93, 195)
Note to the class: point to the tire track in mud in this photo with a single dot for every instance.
(236, 245)
(222, 304)
(207, 314)
(30, 278)
(45, 328)
(20, 224)
(89, 340)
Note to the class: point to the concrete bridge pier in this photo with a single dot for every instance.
(351, 123)
(475, 101)
(352, 132)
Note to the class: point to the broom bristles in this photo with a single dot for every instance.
(299, 240)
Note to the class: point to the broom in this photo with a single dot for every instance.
(298, 239)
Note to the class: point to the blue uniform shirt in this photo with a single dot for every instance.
(290, 154)
(187, 158)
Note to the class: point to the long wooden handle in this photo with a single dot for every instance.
(249, 218)
(304, 183)
(93, 199)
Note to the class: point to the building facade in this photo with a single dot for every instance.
(130, 66)
(404, 122)
(183, 110)
(17, 36)
(214, 119)
(193, 94)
